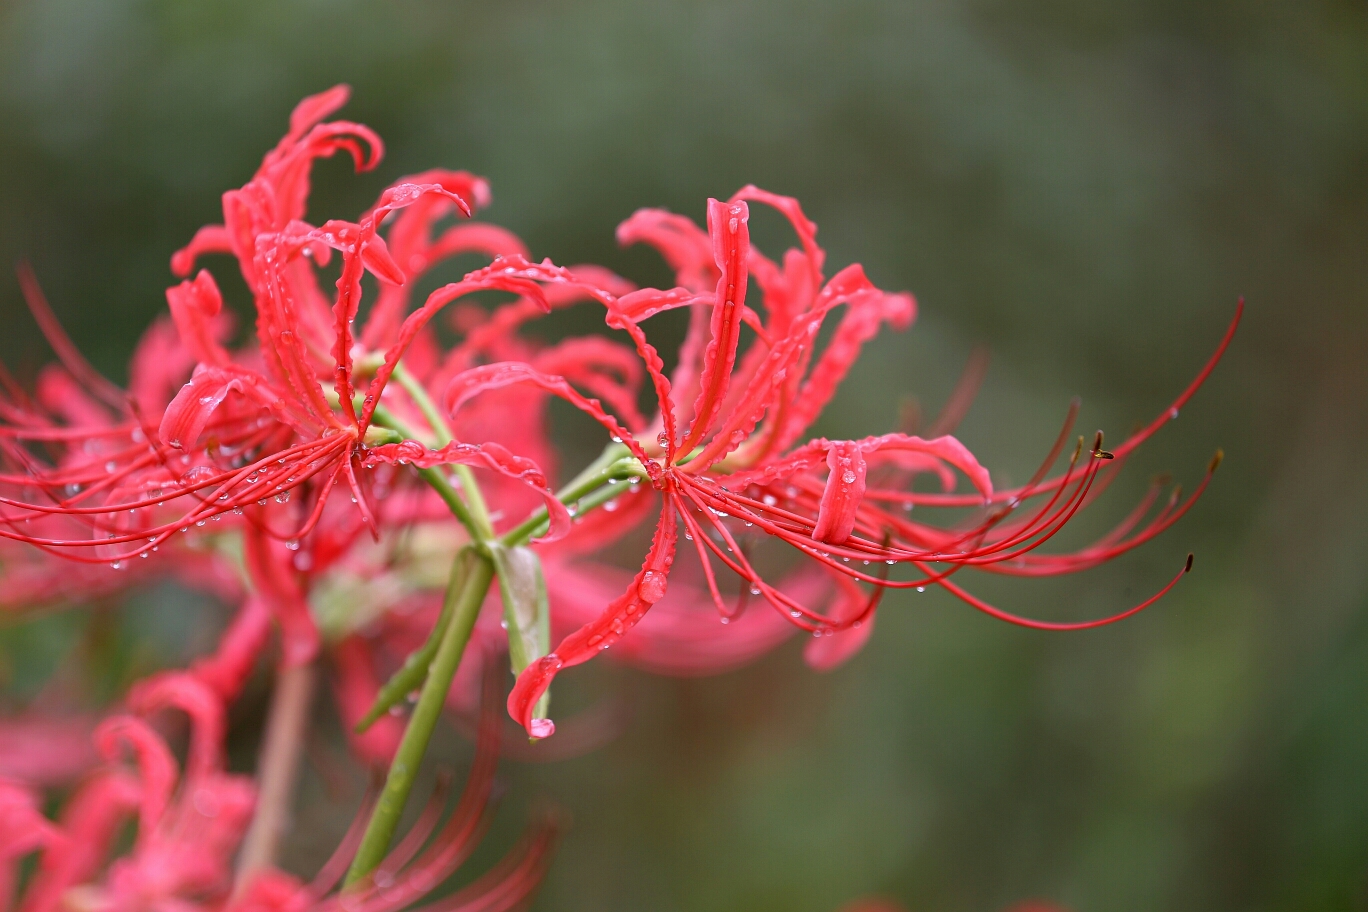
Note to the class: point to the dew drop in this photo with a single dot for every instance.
(848, 476)
(652, 587)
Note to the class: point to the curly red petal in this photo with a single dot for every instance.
(727, 226)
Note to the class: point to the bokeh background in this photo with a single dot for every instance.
(1082, 188)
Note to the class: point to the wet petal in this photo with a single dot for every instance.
(845, 487)
(195, 306)
(727, 226)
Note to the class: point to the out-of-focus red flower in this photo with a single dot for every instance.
(190, 822)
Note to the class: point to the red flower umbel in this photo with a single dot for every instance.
(726, 468)
(103, 476)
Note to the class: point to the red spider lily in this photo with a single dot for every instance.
(251, 427)
(724, 455)
(189, 824)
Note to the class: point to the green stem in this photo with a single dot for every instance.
(414, 671)
(467, 599)
(465, 594)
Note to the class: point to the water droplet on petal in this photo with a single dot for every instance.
(651, 589)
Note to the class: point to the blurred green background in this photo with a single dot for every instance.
(1083, 188)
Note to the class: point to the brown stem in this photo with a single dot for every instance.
(278, 767)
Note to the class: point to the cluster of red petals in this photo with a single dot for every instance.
(189, 823)
(727, 469)
(103, 475)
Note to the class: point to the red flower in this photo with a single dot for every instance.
(250, 427)
(189, 824)
(724, 462)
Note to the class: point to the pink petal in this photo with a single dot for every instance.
(727, 226)
(845, 487)
(194, 405)
(195, 305)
